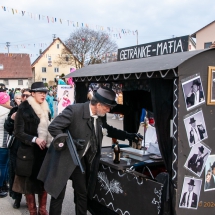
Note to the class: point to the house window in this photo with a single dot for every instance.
(1, 67)
(43, 69)
(6, 82)
(58, 46)
(207, 45)
(49, 58)
(56, 69)
(20, 82)
(67, 58)
(44, 80)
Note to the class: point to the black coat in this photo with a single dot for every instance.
(25, 129)
(191, 100)
(194, 200)
(9, 123)
(193, 164)
(58, 165)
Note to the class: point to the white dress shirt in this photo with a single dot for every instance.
(190, 199)
(95, 117)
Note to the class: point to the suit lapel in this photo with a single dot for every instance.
(86, 114)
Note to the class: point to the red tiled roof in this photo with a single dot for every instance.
(15, 65)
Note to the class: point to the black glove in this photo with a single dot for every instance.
(132, 137)
(79, 144)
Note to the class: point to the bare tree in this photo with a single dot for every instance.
(88, 47)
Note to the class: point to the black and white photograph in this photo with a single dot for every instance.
(210, 174)
(190, 193)
(195, 127)
(193, 92)
(197, 158)
(211, 86)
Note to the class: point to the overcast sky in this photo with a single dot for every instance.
(155, 20)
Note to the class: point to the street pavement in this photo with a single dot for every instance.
(68, 204)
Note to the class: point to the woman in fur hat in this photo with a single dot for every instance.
(31, 128)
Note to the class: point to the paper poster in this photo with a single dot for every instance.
(193, 92)
(190, 193)
(195, 127)
(197, 158)
(65, 96)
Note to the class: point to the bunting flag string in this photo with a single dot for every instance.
(115, 32)
(88, 56)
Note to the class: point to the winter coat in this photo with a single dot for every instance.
(31, 121)
(50, 101)
(58, 165)
(3, 133)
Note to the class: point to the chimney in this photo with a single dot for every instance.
(54, 37)
(40, 51)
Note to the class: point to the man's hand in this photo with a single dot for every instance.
(41, 143)
(79, 144)
(132, 137)
(13, 116)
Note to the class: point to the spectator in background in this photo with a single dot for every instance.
(17, 100)
(4, 110)
(60, 81)
(11, 94)
(120, 102)
(50, 101)
(9, 127)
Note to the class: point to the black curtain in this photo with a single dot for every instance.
(133, 102)
(81, 89)
(162, 104)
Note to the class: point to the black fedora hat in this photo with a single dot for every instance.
(201, 149)
(192, 120)
(38, 87)
(106, 96)
(196, 82)
(191, 182)
(2, 88)
(213, 166)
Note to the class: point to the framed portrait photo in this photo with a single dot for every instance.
(211, 86)
(210, 173)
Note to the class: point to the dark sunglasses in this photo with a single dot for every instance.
(25, 95)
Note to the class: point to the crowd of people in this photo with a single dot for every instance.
(26, 135)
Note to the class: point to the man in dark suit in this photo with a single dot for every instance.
(210, 181)
(189, 198)
(195, 95)
(85, 121)
(196, 161)
(196, 132)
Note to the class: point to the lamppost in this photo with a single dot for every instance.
(8, 45)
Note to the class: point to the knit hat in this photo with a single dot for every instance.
(4, 97)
